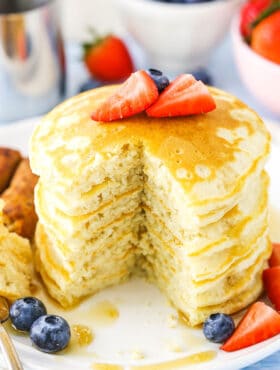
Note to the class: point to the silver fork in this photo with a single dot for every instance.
(6, 344)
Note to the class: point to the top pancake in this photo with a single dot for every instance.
(209, 156)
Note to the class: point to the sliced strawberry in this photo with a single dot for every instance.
(259, 323)
(181, 83)
(135, 95)
(275, 256)
(271, 279)
(184, 96)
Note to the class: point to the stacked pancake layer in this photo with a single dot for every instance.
(184, 199)
(15, 263)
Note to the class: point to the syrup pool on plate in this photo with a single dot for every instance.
(180, 363)
(98, 318)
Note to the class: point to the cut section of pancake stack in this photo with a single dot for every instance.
(184, 199)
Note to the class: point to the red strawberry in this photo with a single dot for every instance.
(107, 59)
(259, 323)
(184, 96)
(249, 13)
(135, 95)
(275, 256)
(266, 37)
(271, 279)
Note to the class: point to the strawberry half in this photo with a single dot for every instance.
(259, 323)
(135, 95)
(184, 96)
(275, 256)
(271, 279)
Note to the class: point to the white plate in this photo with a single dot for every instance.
(143, 325)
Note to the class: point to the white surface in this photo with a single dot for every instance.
(143, 322)
(79, 16)
(177, 37)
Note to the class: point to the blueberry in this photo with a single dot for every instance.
(202, 75)
(218, 327)
(50, 333)
(24, 311)
(160, 80)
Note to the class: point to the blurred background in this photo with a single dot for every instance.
(78, 15)
(52, 49)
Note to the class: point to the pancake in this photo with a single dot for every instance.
(15, 263)
(183, 199)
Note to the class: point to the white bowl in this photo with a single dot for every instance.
(259, 75)
(177, 37)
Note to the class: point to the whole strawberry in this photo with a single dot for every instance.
(107, 59)
(266, 37)
(249, 13)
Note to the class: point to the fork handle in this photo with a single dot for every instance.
(9, 351)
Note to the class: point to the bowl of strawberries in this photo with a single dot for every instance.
(256, 43)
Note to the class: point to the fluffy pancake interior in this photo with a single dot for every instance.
(140, 228)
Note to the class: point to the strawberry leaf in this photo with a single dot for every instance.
(266, 13)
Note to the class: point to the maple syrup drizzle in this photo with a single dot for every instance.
(196, 358)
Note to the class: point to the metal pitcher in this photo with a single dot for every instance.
(32, 62)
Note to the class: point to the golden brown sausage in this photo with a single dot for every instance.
(19, 212)
(9, 160)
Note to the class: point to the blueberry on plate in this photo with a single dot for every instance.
(50, 333)
(24, 311)
(159, 79)
(218, 327)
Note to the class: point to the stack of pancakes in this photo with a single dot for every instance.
(183, 199)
